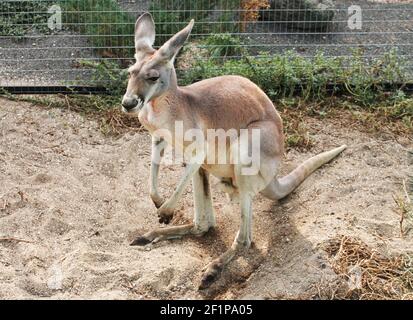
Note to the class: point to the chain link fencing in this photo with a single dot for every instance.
(49, 45)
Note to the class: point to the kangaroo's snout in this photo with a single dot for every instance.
(130, 102)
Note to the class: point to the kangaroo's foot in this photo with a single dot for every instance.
(174, 232)
(213, 271)
(211, 274)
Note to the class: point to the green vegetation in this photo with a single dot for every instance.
(399, 107)
(221, 46)
(172, 16)
(110, 29)
(107, 25)
(110, 74)
(287, 75)
(19, 17)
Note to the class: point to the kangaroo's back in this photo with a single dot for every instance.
(236, 96)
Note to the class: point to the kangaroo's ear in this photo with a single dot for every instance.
(171, 48)
(144, 34)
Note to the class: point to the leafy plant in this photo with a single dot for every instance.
(223, 46)
(108, 74)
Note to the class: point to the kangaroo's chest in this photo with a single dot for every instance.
(151, 118)
(162, 123)
(159, 124)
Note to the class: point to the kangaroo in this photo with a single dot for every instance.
(227, 102)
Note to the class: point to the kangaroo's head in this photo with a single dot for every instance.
(153, 74)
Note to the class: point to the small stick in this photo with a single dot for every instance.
(21, 194)
(409, 201)
(69, 107)
(5, 205)
(15, 239)
(401, 223)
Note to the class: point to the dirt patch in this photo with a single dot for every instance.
(71, 199)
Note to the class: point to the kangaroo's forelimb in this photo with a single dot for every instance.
(158, 148)
(166, 211)
(204, 217)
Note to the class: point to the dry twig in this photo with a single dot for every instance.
(12, 239)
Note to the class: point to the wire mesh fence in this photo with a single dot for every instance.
(49, 43)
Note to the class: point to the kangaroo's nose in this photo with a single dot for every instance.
(129, 103)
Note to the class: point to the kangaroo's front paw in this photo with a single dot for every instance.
(212, 274)
(158, 201)
(165, 215)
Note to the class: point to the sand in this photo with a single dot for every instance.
(72, 199)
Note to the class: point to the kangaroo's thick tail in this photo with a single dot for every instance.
(280, 188)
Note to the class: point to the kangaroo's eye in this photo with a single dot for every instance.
(153, 79)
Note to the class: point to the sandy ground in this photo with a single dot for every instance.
(79, 197)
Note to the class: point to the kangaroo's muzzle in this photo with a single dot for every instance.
(132, 103)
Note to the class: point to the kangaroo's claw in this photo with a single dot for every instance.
(141, 241)
(211, 275)
(165, 215)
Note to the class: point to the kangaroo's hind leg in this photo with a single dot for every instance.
(204, 217)
(242, 241)
(250, 179)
